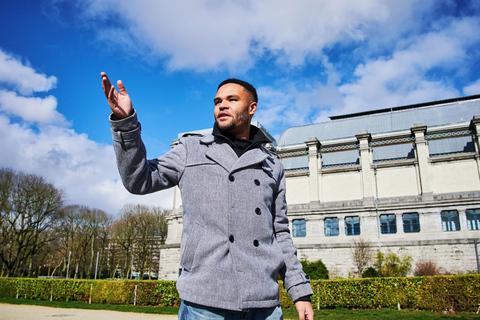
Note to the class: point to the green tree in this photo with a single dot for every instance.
(391, 265)
(370, 272)
(315, 270)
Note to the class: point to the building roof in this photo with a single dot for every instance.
(431, 114)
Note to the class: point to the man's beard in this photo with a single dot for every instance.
(226, 127)
(234, 124)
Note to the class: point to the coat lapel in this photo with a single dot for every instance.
(250, 158)
(222, 154)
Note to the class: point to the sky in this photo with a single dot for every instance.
(308, 59)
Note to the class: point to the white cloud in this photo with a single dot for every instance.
(22, 77)
(404, 77)
(393, 48)
(85, 170)
(30, 109)
(289, 104)
(209, 34)
(408, 74)
(14, 75)
(40, 142)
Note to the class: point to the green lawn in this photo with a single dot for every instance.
(338, 313)
(390, 314)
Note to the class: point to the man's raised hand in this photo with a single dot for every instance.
(119, 102)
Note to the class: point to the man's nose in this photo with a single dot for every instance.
(223, 104)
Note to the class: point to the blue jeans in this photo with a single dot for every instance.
(192, 311)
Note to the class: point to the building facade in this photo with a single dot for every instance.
(404, 180)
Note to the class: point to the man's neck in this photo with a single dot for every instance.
(241, 145)
(242, 134)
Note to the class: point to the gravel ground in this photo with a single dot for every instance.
(22, 312)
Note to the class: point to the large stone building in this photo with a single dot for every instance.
(405, 180)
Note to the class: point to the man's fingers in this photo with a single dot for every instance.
(105, 79)
(106, 85)
(121, 87)
(111, 94)
(106, 89)
(119, 101)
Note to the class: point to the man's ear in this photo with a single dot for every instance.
(252, 108)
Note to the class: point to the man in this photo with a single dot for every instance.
(235, 237)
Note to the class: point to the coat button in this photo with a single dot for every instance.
(255, 243)
(231, 178)
(258, 211)
(257, 182)
(231, 239)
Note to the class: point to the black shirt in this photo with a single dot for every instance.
(239, 145)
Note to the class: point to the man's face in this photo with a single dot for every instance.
(234, 109)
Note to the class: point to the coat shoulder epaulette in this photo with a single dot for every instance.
(270, 152)
(187, 134)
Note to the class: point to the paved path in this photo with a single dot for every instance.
(23, 312)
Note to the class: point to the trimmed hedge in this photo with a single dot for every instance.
(438, 293)
(149, 293)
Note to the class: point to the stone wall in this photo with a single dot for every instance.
(452, 258)
(169, 262)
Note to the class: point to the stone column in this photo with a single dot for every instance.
(321, 226)
(175, 226)
(399, 218)
(341, 226)
(313, 165)
(366, 165)
(462, 218)
(422, 153)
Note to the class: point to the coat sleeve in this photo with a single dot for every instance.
(297, 283)
(140, 175)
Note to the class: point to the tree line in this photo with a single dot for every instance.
(40, 236)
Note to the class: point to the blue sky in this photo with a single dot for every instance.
(309, 59)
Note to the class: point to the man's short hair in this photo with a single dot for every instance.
(251, 89)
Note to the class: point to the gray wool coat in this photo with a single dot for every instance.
(235, 237)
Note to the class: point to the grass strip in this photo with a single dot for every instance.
(390, 314)
(289, 313)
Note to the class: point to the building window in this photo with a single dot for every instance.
(388, 223)
(352, 226)
(450, 220)
(331, 227)
(411, 223)
(473, 219)
(299, 228)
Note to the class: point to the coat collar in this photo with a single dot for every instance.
(220, 152)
